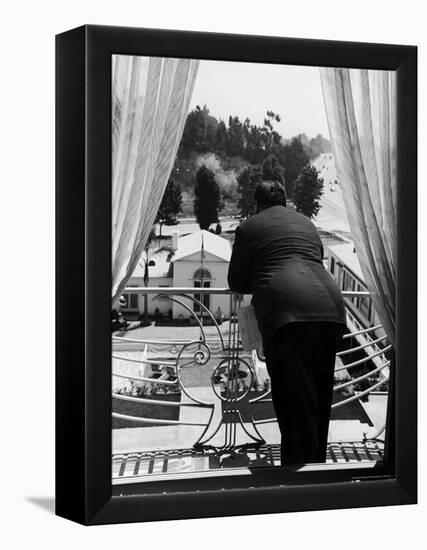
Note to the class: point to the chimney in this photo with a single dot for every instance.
(175, 239)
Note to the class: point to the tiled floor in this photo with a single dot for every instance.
(144, 466)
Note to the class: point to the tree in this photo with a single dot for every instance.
(146, 260)
(235, 137)
(315, 146)
(319, 145)
(192, 135)
(221, 137)
(273, 170)
(262, 141)
(199, 132)
(293, 158)
(208, 199)
(247, 181)
(271, 138)
(170, 205)
(307, 192)
(255, 146)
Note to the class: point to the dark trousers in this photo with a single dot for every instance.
(300, 361)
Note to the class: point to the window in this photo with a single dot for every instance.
(365, 307)
(133, 301)
(130, 301)
(199, 281)
(347, 280)
(204, 298)
(202, 273)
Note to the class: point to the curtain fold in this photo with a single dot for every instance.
(150, 101)
(360, 109)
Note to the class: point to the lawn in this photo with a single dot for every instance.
(177, 332)
(146, 410)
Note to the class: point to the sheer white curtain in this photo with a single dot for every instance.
(360, 108)
(150, 101)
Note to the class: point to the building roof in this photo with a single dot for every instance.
(213, 244)
(348, 257)
(160, 269)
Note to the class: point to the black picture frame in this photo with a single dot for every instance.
(83, 290)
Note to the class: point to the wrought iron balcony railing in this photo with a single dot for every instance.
(228, 372)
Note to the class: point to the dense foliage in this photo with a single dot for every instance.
(308, 190)
(315, 146)
(170, 205)
(242, 150)
(208, 199)
(249, 178)
(247, 181)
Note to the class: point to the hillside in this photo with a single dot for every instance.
(228, 149)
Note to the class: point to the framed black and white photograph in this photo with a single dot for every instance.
(236, 274)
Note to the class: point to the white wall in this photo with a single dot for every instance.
(27, 218)
(183, 272)
(183, 276)
(162, 305)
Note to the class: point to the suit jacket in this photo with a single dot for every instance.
(277, 256)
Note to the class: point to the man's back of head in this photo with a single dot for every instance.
(269, 193)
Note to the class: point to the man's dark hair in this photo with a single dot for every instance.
(270, 193)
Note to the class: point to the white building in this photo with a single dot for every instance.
(200, 259)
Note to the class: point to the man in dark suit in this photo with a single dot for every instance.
(277, 257)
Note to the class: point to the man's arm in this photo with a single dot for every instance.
(239, 270)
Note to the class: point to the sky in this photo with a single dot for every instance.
(250, 89)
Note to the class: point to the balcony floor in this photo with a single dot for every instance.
(178, 463)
